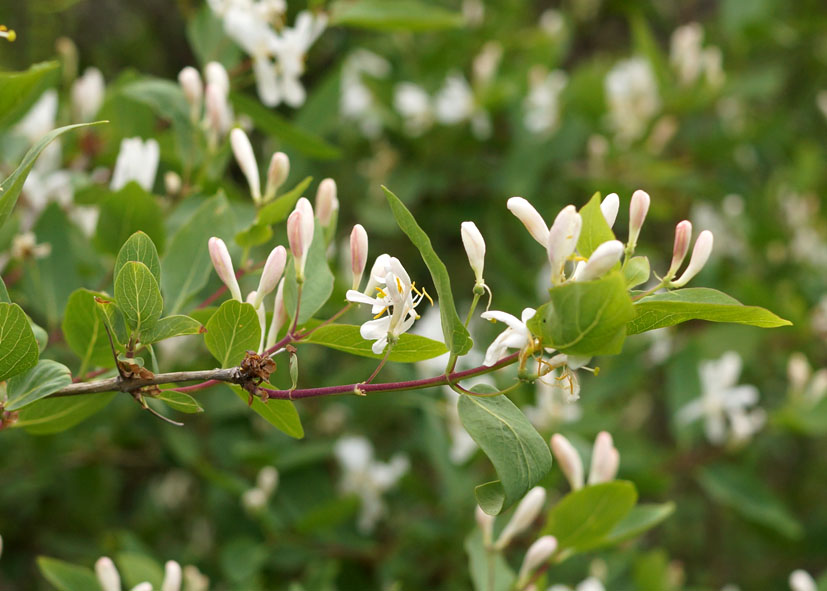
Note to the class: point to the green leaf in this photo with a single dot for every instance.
(399, 15)
(595, 230)
(282, 414)
(125, 212)
(697, 303)
(318, 282)
(18, 347)
(585, 318)
(186, 265)
(136, 568)
(19, 91)
(180, 401)
(640, 519)
(52, 415)
(11, 187)
(520, 455)
(43, 379)
(171, 326)
(741, 491)
(345, 337)
(485, 574)
(636, 271)
(268, 121)
(254, 235)
(456, 335)
(583, 518)
(232, 331)
(278, 209)
(4, 293)
(205, 32)
(139, 248)
(138, 296)
(84, 332)
(113, 318)
(67, 577)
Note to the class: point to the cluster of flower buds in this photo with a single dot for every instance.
(255, 499)
(277, 171)
(211, 99)
(270, 278)
(700, 254)
(110, 580)
(604, 463)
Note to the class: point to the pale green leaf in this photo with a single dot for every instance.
(47, 377)
(520, 455)
(595, 230)
(636, 271)
(640, 519)
(19, 91)
(125, 212)
(67, 577)
(52, 415)
(139, 248)
(489, 571)
(399, 15)
(137, 568)
(138, 296)
(278, 209)
(18, 347)
(345, 337)
(232, 331)
(171, 326)
(281, 414)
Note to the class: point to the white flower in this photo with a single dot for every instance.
(40, 118)
(357, 102)
(632, 94)
(801, 580)
(277, 173)
(542, 104)
(805, 386)
(722, 402)
(327, 203)
(137, 161)
(515, 336)
(455, 103)
(246, 158)
(690, 59)
(398, 297)
(87, 95)
(413, 104)
(110, 580)
(366, 477)
(554, 405)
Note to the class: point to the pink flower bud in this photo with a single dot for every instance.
(562, 241)
(605, 459)
(538, 553)
(190, 81)
(524, 515)
(637, 215)
(277, 173)
(300, 234)
(107, 574)
(486, 525)
(531, 219)
(700, 255)
(279, 316)
(604, 257)
(569, 460)
(474, 245)
(246, 159)
(218, 116)
(327, 205)
(223, 265)
(215, 73)
(609, 207)
(172, 576)
(271, 273)
(358, 254)
(683, 236)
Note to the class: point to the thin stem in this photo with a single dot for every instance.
(381, 364)
(292, 331)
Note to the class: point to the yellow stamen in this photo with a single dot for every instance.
(422, 293)
(7, 33)
(385, 309)
(381, 292)
(399, 285)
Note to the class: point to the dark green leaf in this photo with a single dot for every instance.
(345, 337)
(84, 330)
(232, 331)
(640, 519)
(138, 296)
(399, 15)
(52, 415)
(456, 335)
(67, 577)
(43, 379)
(125, 212)
(520, 455)
(139, 248)
(281, 414)
(18, 347)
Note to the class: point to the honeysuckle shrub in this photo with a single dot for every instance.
(250, 255)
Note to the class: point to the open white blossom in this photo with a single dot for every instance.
(87, 95)
(515, 336)
(689, 58)
(542, 104)
(357, 102)
(728, 409)
(553, 405)
(366, 477)
(397, 298)
(137, 161)
(632, 95)
(414, 105)
(455, 103)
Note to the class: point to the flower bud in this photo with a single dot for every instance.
(532, 220)
(216, 73)
(172, 576)
(327, 205)
(538, 553)
(486, 525)
(190, 81)
(605, 459)
(107, 574)
(609, 207)
(267, 479)
(195, 580)
(524, 515)
(279, 316)
(637, 215)
(475, 249)
(246, 161)
(700, 255)
(87, 95)
(254, 500)
(145, 586)
(270, 275)
(218, 115)
(569, 460)
(798, 371)
(604, 257)
(683, 237)
(300, 234)
(223, 265)
(277, 173)
(358, 254)
(801, 580)
(562, 241)
(172, 182)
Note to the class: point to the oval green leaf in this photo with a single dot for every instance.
(410, 348)
(18, 347)
(140, 249)
(53, 415)
(67, 577)
(47, 377)
(232, 331)
(171, 326)
(138, 296)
